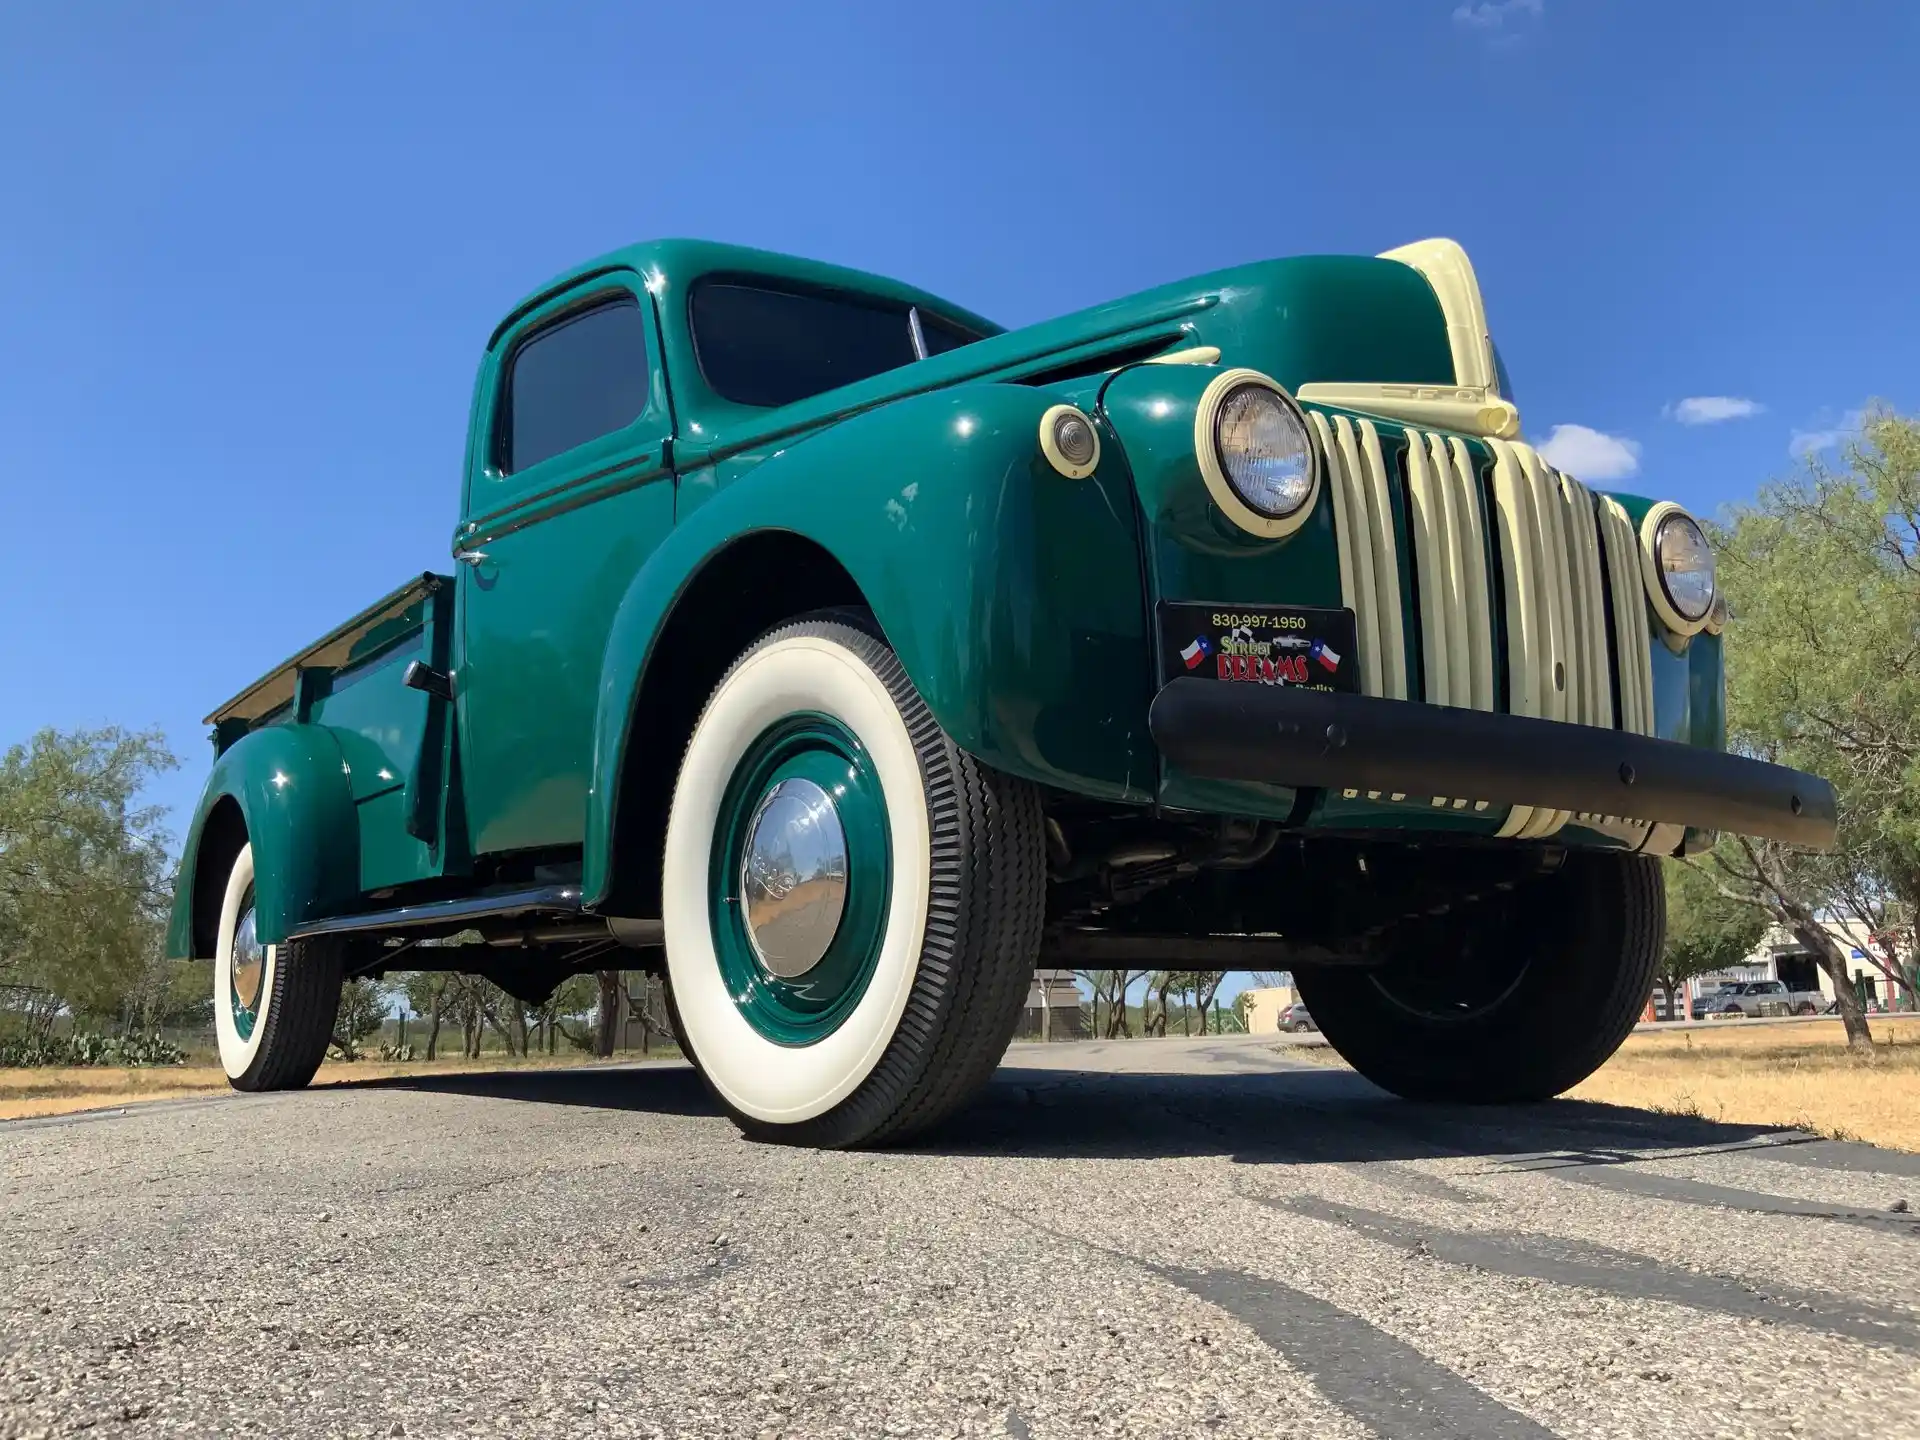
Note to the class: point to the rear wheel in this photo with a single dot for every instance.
(273, 1005)
(852, 904)
(1516, 997)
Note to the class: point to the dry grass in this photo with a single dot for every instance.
(1800, 1075)
(59, 1091)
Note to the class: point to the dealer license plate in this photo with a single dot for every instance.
(1300, 645)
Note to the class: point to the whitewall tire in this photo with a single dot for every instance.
(852, 905)
(273, 1005)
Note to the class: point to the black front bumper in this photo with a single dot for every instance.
(1314, 738)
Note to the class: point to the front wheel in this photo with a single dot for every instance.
(852, 904)
(1516, 997)
(273, 1005)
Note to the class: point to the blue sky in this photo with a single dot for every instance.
(250, 253)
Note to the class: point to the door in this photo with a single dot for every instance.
(569, 489)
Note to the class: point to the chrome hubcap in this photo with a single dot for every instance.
(249, 964)
(793, 877)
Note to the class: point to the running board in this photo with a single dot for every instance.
(452, 916)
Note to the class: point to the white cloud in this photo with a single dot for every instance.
(1712, 409)
(1591, 455)
(1830, 436)
(1493, 14)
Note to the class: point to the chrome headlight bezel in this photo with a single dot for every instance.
(1213, 463)
(1677, 621)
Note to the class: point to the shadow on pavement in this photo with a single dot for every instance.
(664, 1089)
(1295, 1116)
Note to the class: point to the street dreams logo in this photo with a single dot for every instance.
(1284, 645)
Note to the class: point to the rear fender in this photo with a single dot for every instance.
(286, 791)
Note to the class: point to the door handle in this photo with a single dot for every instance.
(470, 557)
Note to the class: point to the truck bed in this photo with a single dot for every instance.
(371, 632)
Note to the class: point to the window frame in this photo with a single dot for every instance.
(543, 322)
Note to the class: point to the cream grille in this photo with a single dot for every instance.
(1567, 564)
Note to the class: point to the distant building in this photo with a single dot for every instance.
(1780, 956)
(1264, 1006)
(1055, 1008)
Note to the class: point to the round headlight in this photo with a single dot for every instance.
(1256, 454)
(1680, 579)
(1069, 441)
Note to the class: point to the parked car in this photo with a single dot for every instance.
(1295, 1019)
(821, 645)
(1758, 997)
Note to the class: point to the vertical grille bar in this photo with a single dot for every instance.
(1590, 599)
(1464, 486)
(1560, 681)
(1386, 559)
(1356, 556)
(1369, 555)
(1634, 661)
(1529, 614)
(1443, 620)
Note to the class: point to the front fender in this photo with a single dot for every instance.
(295, 797)
(1011, 594)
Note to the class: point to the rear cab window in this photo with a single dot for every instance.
(762, 345)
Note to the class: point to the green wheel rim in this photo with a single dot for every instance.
(803, 1009)
(246, 971)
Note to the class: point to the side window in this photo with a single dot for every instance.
(943, 335)
(577, 380)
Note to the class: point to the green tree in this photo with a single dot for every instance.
(364, 1005)
(84, 878)
(1110, 989)
(1706, 931)
(1822, 573)
(427, 993)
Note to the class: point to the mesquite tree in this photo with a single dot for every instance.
(1706, 931)
(1822, 573)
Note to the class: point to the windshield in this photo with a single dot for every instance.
(758, 345)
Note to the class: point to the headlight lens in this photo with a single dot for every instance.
(1264, 451)
(1685, 566)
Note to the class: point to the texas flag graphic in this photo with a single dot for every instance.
(1196, 652)
(1328, 657)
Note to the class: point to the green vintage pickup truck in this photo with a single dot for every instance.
(843, 657)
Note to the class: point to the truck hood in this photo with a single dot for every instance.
(1303, 320)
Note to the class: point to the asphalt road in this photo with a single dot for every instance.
(1175, 1238)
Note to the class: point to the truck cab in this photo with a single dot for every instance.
(843, 656)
